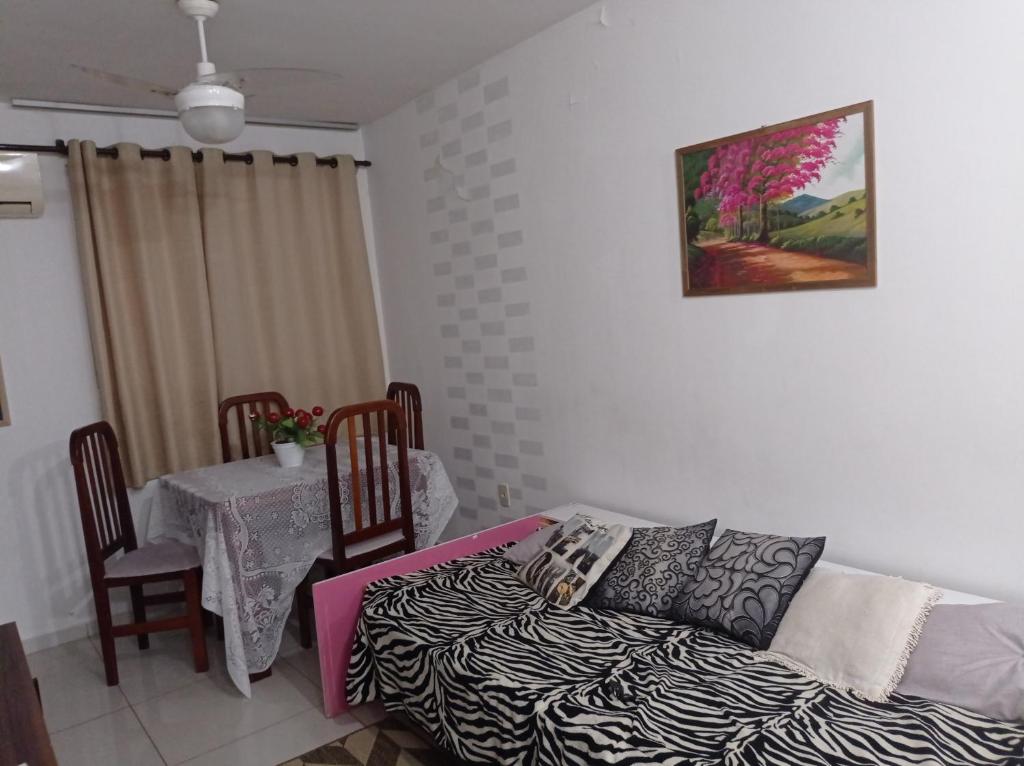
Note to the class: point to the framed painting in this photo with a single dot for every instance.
(5, 415)
(784, 207)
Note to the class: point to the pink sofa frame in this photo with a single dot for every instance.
(338, 602)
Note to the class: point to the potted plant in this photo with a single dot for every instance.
(291, 432)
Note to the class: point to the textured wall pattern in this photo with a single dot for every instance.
(476, 248)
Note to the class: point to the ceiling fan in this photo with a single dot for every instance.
(212, 107)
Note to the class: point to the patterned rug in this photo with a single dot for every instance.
(388, 743)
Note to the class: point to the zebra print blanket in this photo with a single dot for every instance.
(497, 676)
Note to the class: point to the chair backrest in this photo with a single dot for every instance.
(361, 429)
(407, 395)
(102, 497)
(237, 428)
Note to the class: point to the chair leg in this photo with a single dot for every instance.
(106, 626)
(211, 618)
(215, 621)
(139, 613)
(193, 601)
(304, 603)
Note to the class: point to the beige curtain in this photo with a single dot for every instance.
(290, 287)
(140, 244)
(207, 280)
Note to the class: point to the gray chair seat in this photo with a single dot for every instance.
(154, 559)
(108, 529)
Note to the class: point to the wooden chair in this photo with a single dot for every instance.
(376, 534)
(235, 411)
(108, 528)
(407, 395)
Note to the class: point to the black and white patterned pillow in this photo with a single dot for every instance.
(651, 571)
(745, 584)
(573, 559)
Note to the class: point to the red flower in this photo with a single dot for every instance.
(289, 412)
(300, 413)
(318, 411)
(304, 420)
(322, 429)
(273, 417)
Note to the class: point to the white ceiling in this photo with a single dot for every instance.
(387, 51)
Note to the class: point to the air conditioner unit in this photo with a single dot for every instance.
(21, 186)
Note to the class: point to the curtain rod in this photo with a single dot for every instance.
(61, 148)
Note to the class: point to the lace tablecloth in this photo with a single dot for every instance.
(259, 528)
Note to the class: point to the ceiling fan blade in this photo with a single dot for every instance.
(127, 82)
(259, 79)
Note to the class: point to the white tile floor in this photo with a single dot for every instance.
(163, 712)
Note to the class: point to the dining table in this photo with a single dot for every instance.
(259, 528)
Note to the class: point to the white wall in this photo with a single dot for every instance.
(889, 419)
(48, 369)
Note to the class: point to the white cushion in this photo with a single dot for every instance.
(971, 656)
(853, 632)
(157, 558)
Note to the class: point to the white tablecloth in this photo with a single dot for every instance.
(259, 528)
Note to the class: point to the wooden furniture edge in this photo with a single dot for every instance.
(23, 735)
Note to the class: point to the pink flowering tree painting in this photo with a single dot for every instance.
(781, 207)
(756, 171)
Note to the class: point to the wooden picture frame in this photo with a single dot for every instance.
(5, 413)
(749, 219)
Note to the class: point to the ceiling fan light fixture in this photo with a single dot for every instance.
(211, 114)
(199, 9)
(211, 108)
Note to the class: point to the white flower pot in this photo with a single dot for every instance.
(289, 454)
